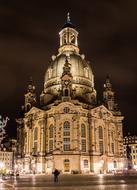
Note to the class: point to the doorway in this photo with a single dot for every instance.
(66, 165)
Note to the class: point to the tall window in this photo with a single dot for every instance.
(50, 145)
(83, 130)
(100, 132)
(35, 140)
(66, 134)
(66, 131)
(83, 138)
(101, 146)
(51, 136)
(112, 135)
(83, 145)
(113, 149)
(35, 146)
(85, 163)
(25, 136)
(36, 134)
(51, 131)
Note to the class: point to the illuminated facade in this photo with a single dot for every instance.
(69, 130)
(130, 151)
(3, 123)
(6, 161)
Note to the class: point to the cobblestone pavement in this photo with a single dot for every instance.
(70, 182)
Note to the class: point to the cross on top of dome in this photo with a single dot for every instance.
(68, 22)
(68, 17)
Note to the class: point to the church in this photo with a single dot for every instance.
(69, 130)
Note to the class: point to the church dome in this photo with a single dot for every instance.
(79, 68)
(82, 76)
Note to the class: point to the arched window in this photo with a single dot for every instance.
(51, 135)
(66, 125)
(83, 138)
(83, 130)
(101, 145)
(66, 134)
(64, 39)
(72, 38)
(51, 131)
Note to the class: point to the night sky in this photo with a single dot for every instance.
(29, 37)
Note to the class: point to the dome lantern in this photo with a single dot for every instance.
(68, 37)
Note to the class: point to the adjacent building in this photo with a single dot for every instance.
(69, 130)
(130, 151)
(7, 155)
(6, 161)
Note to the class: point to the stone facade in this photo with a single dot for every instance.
(6, 161)
(130, 151)
(69, 130)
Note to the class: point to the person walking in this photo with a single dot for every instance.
(56, 174)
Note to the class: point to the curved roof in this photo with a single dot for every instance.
(82, 79)
(79, 67)
(68, 24)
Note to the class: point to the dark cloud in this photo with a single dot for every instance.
(29, 37)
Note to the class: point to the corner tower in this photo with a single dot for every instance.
(30, 96)
(109, 98)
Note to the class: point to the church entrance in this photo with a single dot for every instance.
(66, 165)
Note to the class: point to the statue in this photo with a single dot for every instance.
(3, 123)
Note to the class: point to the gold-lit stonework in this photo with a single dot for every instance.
(70, 131)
